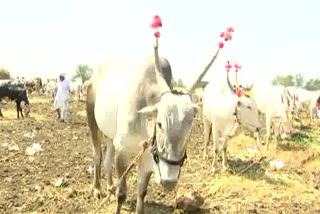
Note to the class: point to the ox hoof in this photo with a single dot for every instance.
(96, 193)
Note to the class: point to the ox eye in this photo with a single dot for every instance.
(249, 107)
(159, 125)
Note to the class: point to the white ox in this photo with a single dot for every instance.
(130, 104)
(305, 101)
(274, 103)
(223, 113)
(50, 88)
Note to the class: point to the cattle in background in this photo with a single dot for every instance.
(76, 88)
(273, 102)
(38, 85)
(305, 101)
(29, 86)
(224, 112)
(34, 85)
(50, 88)
(17, 94)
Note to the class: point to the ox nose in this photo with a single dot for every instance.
(168, 184)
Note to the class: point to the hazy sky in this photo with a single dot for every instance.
(45, 38)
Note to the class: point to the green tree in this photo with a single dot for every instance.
(84, 72)
(299, 80)
(313, 84)
(4, 74)
(179, 83)
(285, 80)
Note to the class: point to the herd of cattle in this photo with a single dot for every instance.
(145, 107)
(18, 91)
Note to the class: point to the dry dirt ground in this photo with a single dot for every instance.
(58, 178)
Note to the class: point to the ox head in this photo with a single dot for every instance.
(286, 127)
(290, 105)
(171, 119)
(246, 110)
(291, 101)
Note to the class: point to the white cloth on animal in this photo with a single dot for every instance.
(61, 100)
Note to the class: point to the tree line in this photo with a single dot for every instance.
(297, 80)
(84, 72)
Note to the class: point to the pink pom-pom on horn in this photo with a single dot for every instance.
(237, 67)
(226, 36)
(228, 66)
(230, 29)
(157, 34)
(156, 23)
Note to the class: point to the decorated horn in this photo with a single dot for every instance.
(228, 67)
(226, 35)
(156, 24)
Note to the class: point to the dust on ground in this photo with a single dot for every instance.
(58, 178)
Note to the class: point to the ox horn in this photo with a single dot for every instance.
(159, 75)
(194, 85)
(229, 84)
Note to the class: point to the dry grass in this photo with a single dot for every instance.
(30, 186)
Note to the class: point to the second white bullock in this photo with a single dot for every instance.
(274, 103)
(223, 114)
(305, 101)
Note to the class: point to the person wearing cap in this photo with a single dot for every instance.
(61, 101)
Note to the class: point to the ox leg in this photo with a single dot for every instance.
(97, 138)
(18, 109)
(268, 130)
(121, 165)
(312, 113)
(97, 157)
(107, 163)
(59, 114)
(277, 133)
(207, 132)
(143, 181)
(224, 143)
(215, 141)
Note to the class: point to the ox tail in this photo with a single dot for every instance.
(90, 105)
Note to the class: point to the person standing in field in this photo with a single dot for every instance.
(61, 101)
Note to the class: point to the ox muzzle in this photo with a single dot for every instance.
(169, 170)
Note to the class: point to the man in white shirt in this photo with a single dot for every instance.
(61, 101)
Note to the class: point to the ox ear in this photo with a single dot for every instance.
(149, 111)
